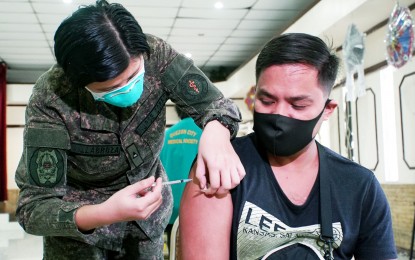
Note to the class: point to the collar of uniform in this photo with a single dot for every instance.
(96, 115)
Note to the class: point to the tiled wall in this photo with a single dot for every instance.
(401, 199)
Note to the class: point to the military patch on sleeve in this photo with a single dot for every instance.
(193, 86)
(46, 167)
(66, 216)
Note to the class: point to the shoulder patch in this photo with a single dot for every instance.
(46, 167)
(193, 86)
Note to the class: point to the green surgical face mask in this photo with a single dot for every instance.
(124, 96)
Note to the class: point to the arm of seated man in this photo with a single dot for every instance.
(205, 223)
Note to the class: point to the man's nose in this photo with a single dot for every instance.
(280, 109)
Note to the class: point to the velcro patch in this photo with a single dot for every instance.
(152, 116)
(46, 167)
(47, 137)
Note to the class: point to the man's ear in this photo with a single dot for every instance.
(329, 109)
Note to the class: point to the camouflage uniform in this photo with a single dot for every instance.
(78, 151)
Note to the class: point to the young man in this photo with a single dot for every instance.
(94, 130)
(294, 186)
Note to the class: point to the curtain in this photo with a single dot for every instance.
(3, 159)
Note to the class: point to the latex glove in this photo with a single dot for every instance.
(219, 168)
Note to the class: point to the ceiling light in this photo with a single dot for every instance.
(67, 1)
(218, 5)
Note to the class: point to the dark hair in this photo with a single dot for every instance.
(96, 43)
(180, 112)
(300, 48)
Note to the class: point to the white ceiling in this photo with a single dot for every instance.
(227, 37)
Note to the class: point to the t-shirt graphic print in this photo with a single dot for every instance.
(261, 235)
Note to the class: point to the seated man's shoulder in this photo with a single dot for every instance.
(346, 165)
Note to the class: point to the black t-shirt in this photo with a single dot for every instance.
(267, 225)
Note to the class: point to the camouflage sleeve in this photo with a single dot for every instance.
(41, 174)
(194, 93)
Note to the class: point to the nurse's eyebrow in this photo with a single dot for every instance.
(128, 80)
(132, 75)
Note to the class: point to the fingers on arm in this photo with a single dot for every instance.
(225, 178)
(200, 172)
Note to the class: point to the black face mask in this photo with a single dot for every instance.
(284, 136)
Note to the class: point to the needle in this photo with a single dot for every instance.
(173, 182)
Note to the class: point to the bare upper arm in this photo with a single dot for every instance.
(205, 223)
